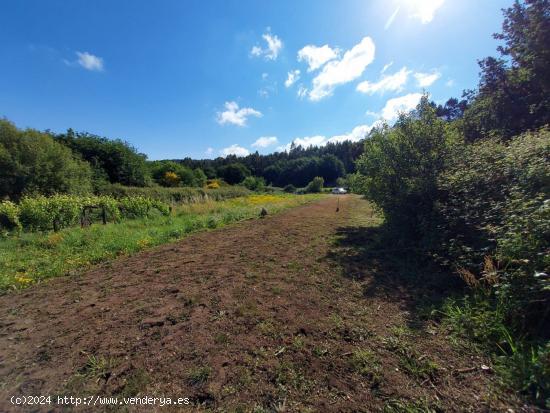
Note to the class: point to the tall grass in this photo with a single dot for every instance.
(28, 258)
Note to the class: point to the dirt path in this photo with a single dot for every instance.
(266, 315)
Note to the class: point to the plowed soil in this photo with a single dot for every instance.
(285, 313)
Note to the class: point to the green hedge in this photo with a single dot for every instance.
(43, 213)
(182, 195)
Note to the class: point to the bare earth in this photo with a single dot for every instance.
(266, 315)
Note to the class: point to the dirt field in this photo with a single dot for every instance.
(286, 313)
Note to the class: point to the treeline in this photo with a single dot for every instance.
(34, 162)
(468, 184)
(297, 166)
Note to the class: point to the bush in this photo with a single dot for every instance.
(234, 173)
(254, 183)
(9, 216)
(495, 202)
(171, 174)
(316, 185)
(59, 211)
(401, 165)
(290, 189)
(140, 207)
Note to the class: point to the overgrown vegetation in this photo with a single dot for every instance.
(468, 184)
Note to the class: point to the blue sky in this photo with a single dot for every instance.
(208, 78)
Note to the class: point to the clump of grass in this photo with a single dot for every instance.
(366, 363)
(97, 367)
(221, 338)
(199, 375)
(417, 366)
(288, 375)
(268, 328)
(521, 364)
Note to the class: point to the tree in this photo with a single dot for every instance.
(514, 89)
(200, 178)
(33, 162)
(234, 173)
(331, 168)
(120, 161)
(169, 173)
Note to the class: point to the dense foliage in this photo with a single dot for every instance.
(514, 89)
(297, 166)
(468, 183)
(112, 160)
(401, 166)
(32, 162)
(43, 213)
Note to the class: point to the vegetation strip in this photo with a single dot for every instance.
(30, 257)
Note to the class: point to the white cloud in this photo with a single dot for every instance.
(344, 70)
(357, 133)
(386, 67)
(90, 62)
(232, 114)
(209, 151)
(234, 150)
(293, 76)
(392, 83)
(395, 106)
(391, 18)
(316, 56)
(450, 83)
(265, 141)
(256, 51)
(272, 49)
(424, 10)
(264, 76)
(302, 92)
(426, 79)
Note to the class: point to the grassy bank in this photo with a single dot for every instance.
(32, 257)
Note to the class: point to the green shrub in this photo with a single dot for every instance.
(290, 189)
(254, 183)
(60, 211)
(182, 195)
(400, 167)
(316, 185)
(494, 201)
(32, 162)
(9, 216)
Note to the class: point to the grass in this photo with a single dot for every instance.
(199, 375)
(521, 364)
(28, 258)
(418, 366)
(97, 367)
(366, 363)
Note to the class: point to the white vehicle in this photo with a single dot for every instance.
(339, 191)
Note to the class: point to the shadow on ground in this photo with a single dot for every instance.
(395, 271)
